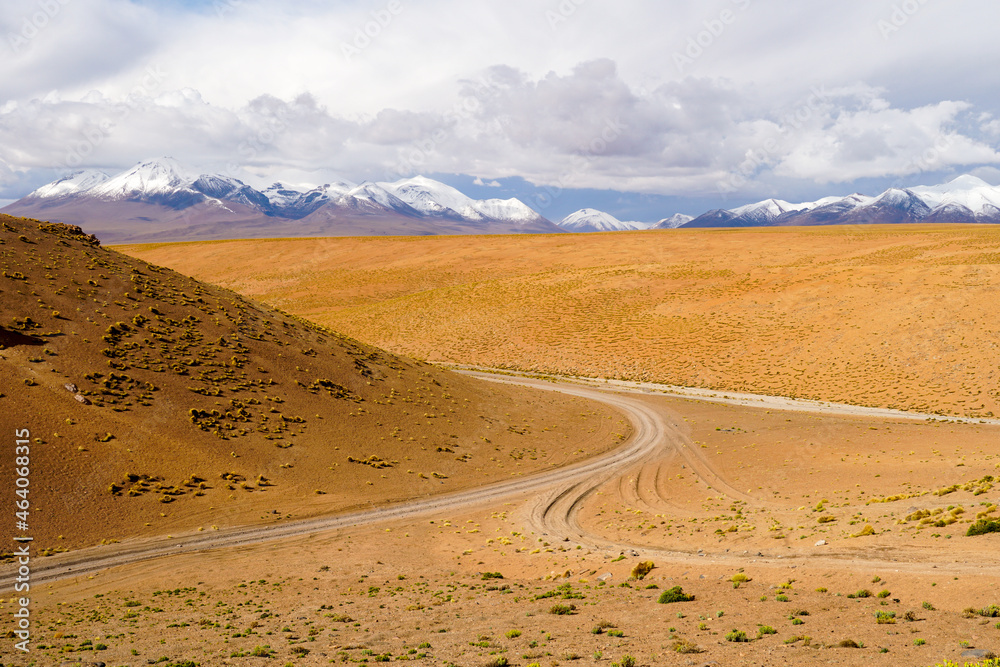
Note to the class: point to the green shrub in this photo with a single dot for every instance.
(736, 636)
(675, 594)
(492, 575)
(562, 609)
(511, 634)
(765, 630)
(781, 598)
(884, 593)
(983, 526)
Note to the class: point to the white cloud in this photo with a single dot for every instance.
(498, 89)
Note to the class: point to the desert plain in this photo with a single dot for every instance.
(794, 426)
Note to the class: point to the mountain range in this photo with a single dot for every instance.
(160, 200)
(965, 199)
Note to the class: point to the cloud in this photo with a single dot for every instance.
(488, 184)
(500, 90)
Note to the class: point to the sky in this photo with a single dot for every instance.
(639, 108)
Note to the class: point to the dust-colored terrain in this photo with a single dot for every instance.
(157, 404)
(890, 316)
(738, 531)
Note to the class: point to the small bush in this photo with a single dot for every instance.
(739, 578)
(262, 652)
(562, 609)
(765, 630)
(992, 611)
(919, 642)
(884, 593)
(781, 598)
(885, 617)
(642, 569)
(675, 594)
(511, 634)
(863, 593)
(686, 646)
(499, 661)
(735, 635)
(928, 606)
(492, 575)
(848, 643)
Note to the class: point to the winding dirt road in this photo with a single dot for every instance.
(559, 493)
(647, 440)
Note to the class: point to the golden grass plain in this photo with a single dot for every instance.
(889, 316)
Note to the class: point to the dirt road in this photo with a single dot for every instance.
(559, 493)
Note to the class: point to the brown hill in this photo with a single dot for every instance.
(157, 403)
(897, 316)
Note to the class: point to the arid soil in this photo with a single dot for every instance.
(806, 536)
(380, 592)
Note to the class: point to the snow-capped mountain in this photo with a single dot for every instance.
(966, 199)
(435, 199)
(673, 222)
(161, 196)
(592, 220)
(67, 185)
(759, 214)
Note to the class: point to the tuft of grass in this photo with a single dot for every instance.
(883, 617)
(642, 569)
(686, 646)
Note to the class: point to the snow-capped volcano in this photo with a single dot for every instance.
(592, 220)
(969, 192)
(153, 181)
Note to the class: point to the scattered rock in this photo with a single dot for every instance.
(82, 399)
(821, 543)
(978, 653)
(605, 577)
(70, 387)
